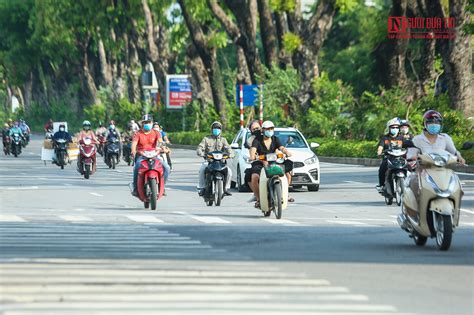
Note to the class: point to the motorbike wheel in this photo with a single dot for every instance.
(399, 190)
(113, 162)
(219, 192)
(420, 240)
(154, 192)
(444, 231)
(87, 172)
(277, 202)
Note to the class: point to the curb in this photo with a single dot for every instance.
(376, 162)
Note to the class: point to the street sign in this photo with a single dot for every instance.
(178, 91)
(250, 94)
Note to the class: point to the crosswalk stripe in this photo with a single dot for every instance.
(209, 219)
(280, 221)
(11, 218)
(74, 218)
(144, 218)
(346, 222)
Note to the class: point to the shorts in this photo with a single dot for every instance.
(257, 168)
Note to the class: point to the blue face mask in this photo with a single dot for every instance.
(268, 133)
(433, 129)
(216, 132)
(394, 131)
(147, 127)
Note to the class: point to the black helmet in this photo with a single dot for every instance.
(147, 117)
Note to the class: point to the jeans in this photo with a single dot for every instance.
(382, 170)
(202, 176)
(136, 167)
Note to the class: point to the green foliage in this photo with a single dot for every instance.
(346, 5)
(291, 42)
(58, 110)
(328, 115)
(218, 39)
(345, 148)
(283, 5)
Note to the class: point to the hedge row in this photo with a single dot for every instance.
(328, 147)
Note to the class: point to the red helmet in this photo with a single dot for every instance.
(432, 116)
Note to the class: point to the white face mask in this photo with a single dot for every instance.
(61, 129)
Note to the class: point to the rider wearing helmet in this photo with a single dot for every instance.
(213, 142)
(405, 129)
(432, 139)
(134, 125)
(87, 132)
(145, 139)
(101, 131)
(392, 137)
(62, 134)
(264, 143)
(112, 133)
(5, 135)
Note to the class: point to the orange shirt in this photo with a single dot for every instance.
(147, 142)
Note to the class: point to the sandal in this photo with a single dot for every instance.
(257, 204)
(291, 199)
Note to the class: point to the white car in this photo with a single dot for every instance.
(306, 171)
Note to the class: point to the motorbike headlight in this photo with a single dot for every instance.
(439, 161)
(271, 157)
(311, 160)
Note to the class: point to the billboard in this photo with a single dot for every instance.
(178, 91)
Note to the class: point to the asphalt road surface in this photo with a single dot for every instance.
(75, 246)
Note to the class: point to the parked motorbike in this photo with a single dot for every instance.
(101, 144)
(215, 175)
(85, 162)
(395, 175)
(432, 200)
(127, 152)
(150, 183)
(6, 145)
(112, 152)
(60, 150)
(16, 141)
(273, 185)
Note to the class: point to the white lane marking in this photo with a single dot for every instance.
(66, 184)
(42, 178)
(468, 211)
(22, 188)
(346, 222)
(96, 194)
(209, 219)
(352, 182)
(467, 223)
(280, 221)
(144, 218)
(75, 218)
(204, 219)
(10, 218)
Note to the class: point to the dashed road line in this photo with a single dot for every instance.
(96, 194)
(144, 219)
(346, 222)
(75, 218)
(11, 218)
(468, 211)
(280, 221)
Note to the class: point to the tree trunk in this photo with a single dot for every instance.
(87, 79)
(199, 79)
(457, 60)
(313, 35)
(243, 74)
(105, 70)
(282, 28)
(268, 33)
(209, 59)
(390, 55)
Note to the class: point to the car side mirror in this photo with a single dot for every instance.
(314, 145)
(235, 146)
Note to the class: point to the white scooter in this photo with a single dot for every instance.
(273, 185)
(432, 200)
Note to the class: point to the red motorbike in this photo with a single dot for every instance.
(101, 145)
(86, 160)
(151, 183)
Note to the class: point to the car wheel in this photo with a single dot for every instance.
(241, 187)
(313, 187)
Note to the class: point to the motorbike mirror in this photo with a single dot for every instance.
(314, 145)
(235, 146)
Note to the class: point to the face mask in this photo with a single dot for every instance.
(61, 129)
(256, 132)
(112, 127)
(156, 129)
(404, 130)
(394, 131)
(216, 131)
(87, 127)
(147, 127)
(268, 133)
(433, 129)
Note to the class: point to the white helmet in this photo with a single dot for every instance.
(267, 124)
(393, 122)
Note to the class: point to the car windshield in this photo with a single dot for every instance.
(298, 141)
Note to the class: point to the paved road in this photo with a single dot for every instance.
(70, 246)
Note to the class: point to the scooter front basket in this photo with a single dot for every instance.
(274, 170)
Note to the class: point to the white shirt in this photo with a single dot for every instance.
(443, 142)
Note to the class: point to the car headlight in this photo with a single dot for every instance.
(311, 160)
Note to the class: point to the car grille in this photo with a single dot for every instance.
(300, 178)
(298, 164)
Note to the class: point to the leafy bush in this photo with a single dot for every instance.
(58, 110)
(345, 148)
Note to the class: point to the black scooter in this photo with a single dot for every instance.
(395, 175)
(216, 174)
(112, 152)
